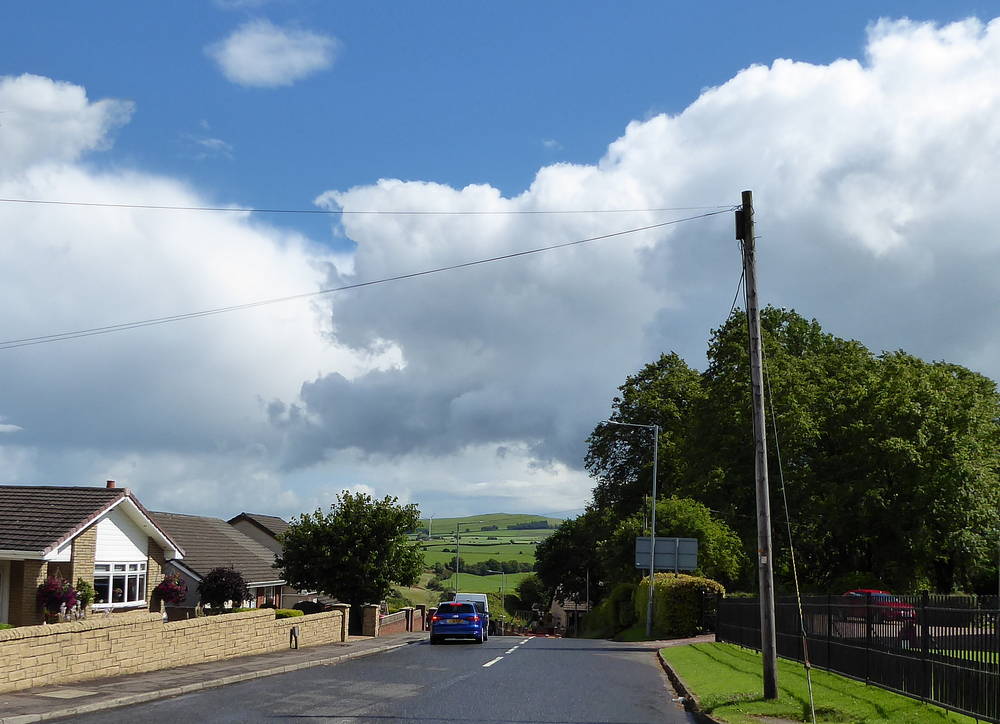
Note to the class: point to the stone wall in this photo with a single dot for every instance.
(128, 643)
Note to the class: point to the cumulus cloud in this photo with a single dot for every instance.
(175, 403)
(873, 181)
(264, 55)
(45, 121)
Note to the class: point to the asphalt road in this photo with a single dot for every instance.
(507, 680)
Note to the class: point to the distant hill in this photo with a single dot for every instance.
(475, 523)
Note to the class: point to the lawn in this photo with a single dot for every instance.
(727, 680)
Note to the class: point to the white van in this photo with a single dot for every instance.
(480, 600)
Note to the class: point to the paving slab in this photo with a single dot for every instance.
(53, 702)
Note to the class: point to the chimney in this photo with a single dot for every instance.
(111, 484)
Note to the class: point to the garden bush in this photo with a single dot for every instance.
(615, 613)
(310, 607)
(172, 590)
(287, 613)
(681, 603)
(55, 592)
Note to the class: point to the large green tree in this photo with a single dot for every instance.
(355, 552)
(890, 464)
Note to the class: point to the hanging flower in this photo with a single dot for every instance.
(55, 592)
(172, 589)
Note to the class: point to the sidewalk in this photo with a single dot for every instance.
(52, 702)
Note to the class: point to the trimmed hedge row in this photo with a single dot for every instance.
(681, 603)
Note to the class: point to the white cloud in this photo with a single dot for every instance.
(474, 390)
(261, 54)
(552, 144)
(45, 121)
(873, 184)
(7, 427)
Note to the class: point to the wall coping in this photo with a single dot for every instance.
(87, 624)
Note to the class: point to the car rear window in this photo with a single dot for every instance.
(456, 608)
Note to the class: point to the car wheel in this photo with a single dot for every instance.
(435, 640)
(480, 638)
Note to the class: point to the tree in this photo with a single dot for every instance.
(532, 591)
(890, 464)
(356, 552)
(221, 586)
(621, 458)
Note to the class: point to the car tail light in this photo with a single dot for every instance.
(474, 619)
(435, 618)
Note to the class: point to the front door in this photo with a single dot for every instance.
(4, 589)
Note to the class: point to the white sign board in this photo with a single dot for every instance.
(672, 554)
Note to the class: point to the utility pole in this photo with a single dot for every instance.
(765, 559)
(652, 540)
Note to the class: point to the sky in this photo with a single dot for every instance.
(867, 132)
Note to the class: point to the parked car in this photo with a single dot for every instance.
(458, 620)
(884, 606)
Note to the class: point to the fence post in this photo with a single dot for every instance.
(925, 640)
(829, 632)
(868, 635)
(718, 617)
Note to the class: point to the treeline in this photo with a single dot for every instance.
(890, 465)
(529, 525)
(484, 568)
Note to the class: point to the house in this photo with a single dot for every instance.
(265, 529)
(213, 543)
(102, 535)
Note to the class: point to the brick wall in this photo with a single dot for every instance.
(25, 578)
(131, 642)
(82, 556)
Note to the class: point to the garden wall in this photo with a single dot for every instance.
(128, 643)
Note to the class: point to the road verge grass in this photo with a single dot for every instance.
(727, 681)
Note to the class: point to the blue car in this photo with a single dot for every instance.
(454, 620)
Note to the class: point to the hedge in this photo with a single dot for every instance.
(287, 613)
(681, 603)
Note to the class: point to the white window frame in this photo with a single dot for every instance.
(129, 570)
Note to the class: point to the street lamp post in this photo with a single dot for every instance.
(503, 596)
(652, 527)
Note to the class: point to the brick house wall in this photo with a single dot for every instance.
(82, 556)
(155, 562)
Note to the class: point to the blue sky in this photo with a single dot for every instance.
(867, 142)
(456, 92)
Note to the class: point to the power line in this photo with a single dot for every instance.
(342, 212)
(108, 329)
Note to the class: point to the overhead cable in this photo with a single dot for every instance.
(108, 329)
(373, 212)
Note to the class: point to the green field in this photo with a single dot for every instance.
(434, 552)
(474, 524)
(485, 584)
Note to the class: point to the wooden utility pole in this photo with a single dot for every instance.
(765, 560)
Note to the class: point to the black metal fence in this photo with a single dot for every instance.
(941, 649)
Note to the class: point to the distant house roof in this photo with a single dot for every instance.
(35, 520)
(213, 543)
(270, 524)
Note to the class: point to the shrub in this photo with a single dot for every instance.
(615, 613)
(172, 590)
(84, 593)
(309, 607)
(5, 625)
(287, 613)
(221, 585)
(681, 603)
(55, 592)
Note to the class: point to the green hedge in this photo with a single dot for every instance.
(681, 603)
(615, 613)
(287, 613)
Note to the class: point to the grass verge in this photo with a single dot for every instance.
(727, 681)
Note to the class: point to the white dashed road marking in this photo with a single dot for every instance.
(490, 663)
(511, 650)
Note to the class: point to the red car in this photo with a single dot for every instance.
(884, 606)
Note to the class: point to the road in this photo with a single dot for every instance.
(507, 680)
